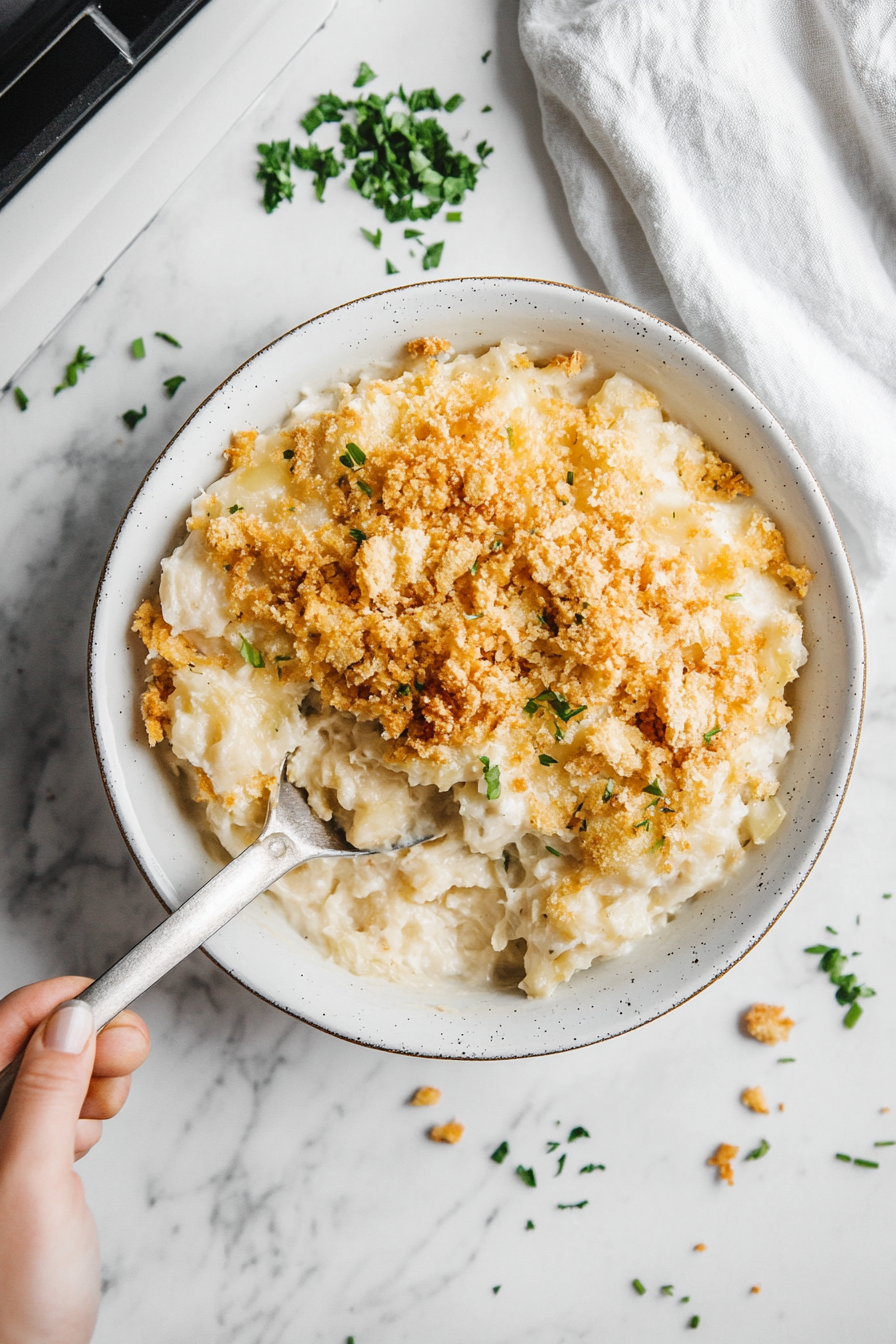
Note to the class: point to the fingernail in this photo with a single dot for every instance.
(68, 1030)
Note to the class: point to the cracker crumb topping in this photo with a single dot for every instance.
(425, 1096)
(767, 1023)
(450, 1133)
(722, 1158)
(754, 1099)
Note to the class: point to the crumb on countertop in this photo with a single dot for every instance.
(425, 1096)
(722, 1158)
(701, 1246)
(757, 1288)
(780, 1105)
(766, 1022)
(754, 1098)
(450, 1133)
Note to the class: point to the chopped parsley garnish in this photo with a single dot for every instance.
(667, 1289)
(357, 535)
(548, 699)
(546, 760)
(552, 1146)
(275, 174)
(492, 776)
(403, 689)
(501, 1152)
(530, 1226)
(527, 1176)
(497, 1288)
(645, 825)
(732, 597)
(172, 384)
(848, 989)
(390, 269)
(250, 653)
(885, 1143)
(288, 453)
(654, 789)
(658, 844)
(579, 618)
(581, 1205)
(413, 233)
(639, 1287)
(863, 1162)
(374, 238)
(592, 1166)
(578, 1133)
(21, 399)
(828, 929)
(138, 349)
(78, 365)
(164, 336)
(693, 1322)
(362, 485)
(888, 895)
(510, 435)
(432, 256)
(365, 75)
(608, 791)
(235, 508)
(487, 108)
(707, 737)
(483, 149)
(353, 457)
(283, 657)
(485, 55)
(454, 102)
(558, 733)
(474, 568)
(561, 1163)
(843, 1157)
(787, 1059)
(570, 478)
(132, 418)
(321, 162)
(453, 217)
(758, 1152)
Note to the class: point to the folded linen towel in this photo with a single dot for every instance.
(732, 168)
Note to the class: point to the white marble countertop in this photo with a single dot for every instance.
(267, 1184)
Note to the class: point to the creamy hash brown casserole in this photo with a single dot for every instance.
(512, 605)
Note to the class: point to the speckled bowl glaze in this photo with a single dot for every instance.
(712, 932)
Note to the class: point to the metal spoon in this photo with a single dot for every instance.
(292, 835)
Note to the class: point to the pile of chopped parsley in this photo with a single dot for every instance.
(401, 161)
(849, 991)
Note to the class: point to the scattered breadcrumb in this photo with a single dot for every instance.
(722, 1158)
(757, 1288)
(780, 1105)
(885, 1110)
(754, 1097)
(701, 1246)
(450, 1133)
(428, 347)
(425, 1096)
(766, 1022)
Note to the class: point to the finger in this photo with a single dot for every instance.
(121, 1047)
(87, 1133)
(23, 1009)
(38, 1126)
(105, 1098)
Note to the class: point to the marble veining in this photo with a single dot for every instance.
(268, 1184)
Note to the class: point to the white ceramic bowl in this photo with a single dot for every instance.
(712, 932)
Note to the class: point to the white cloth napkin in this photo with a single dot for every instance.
(730, 165)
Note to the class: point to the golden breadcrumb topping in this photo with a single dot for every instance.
(722, 1158)
(450, 1133)
(754, 1099)
(426, 1096)
(766, 1023)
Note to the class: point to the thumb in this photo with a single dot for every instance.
(38, 1126)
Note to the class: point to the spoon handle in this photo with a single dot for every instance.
(214, 905)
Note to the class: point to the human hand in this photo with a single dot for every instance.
(70, 1081)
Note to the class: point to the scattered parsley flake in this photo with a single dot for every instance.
(885, 1143)
(570, 478)
(642, 825)
(581, 1205)
(132, 418)
(551, 1146)
(275, 174)
(527, 1176)
(453, 217)
(729, 597)
(374, 238)
(235, 508)
(138, 349)
(483, 149)
(432, 256)
(608, 791)
(639, 1287)
(501, 1152)
(578, 1133)
(485, 55)
(252, 655)
(863, 1162)
(561, 1163)
(530, 1226)
(654, 789)
(758, 1152)
(592, 1166)
(403, 688)
(707, 737)
(693, 1322)
(283, 657)
(667, 1289)
(828, 929)
(848, 991)
(164, 336)
(77, 365)
(413, 233)
(365, 75)
(888, 895)
(172, 384)
(544, 759)
(843, 1157)
(492, 776)
(487, 108)
(288, 453)
(357, 535)
(658, 844)
(496, 1289)
(353, 457)
(454, 102)
(321, 162)
(390, 269)
(21, 399)
(363, 486)
(555, 852)
(787, 1059)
